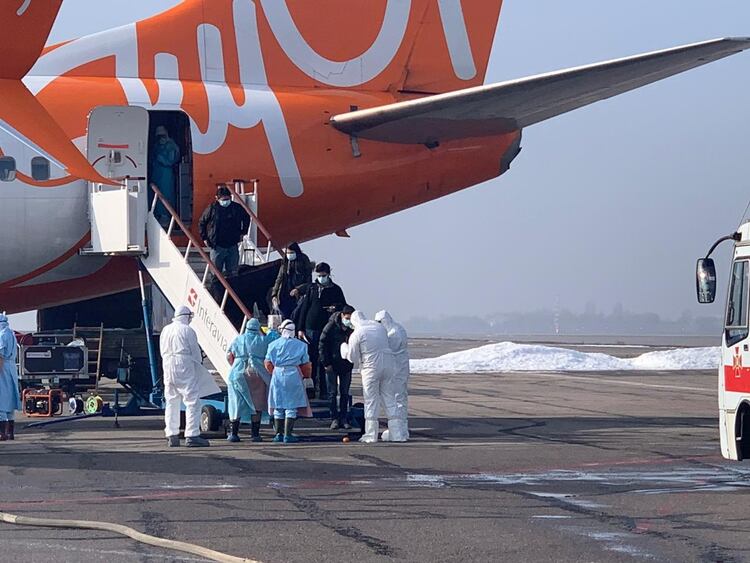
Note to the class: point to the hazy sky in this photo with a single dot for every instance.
(611, 203)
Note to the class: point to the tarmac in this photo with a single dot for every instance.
(501, 467)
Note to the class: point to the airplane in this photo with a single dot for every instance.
(373, 114)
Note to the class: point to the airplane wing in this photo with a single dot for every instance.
(509, 106)
(24, 28)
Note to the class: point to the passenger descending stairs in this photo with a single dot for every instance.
(183, 272)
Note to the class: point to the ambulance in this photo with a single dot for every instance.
(734, 371)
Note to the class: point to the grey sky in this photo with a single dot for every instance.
(611, 203)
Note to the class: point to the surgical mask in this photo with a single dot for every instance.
(323, 279)
(347, 323)
(225, 202)
(291, 255)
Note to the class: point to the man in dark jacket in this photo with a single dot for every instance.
(222, 226)
(295, 272)
(322, 299)
(338, 370)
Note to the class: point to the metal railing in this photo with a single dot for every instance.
(194, 245)
(238, 194)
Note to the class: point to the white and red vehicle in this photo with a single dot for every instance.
(734, 371)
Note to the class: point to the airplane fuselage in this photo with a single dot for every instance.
(313, 179)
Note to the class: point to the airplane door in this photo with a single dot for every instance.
(118, 149)
(118, 141)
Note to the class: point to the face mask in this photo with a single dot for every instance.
(347, 323)
(225, 202)
(323, 279)
(291, 255)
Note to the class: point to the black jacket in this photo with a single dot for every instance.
(334, 335)
(224, 227)
(292, 275)
(316, 308)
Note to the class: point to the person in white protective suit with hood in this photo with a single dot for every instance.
(185, 379)
(398, 429)
(368, 348)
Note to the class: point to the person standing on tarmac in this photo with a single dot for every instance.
(338, 370)
(183, 367)
(222, 226)
(368, 348)
(249, 380)
(398, 429)
(295, 271)
(10, 402)
(322, 299)
(289, 363)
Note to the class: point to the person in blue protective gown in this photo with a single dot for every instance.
(249, 380)
(289, 362)
(10, 402)
(164, 158)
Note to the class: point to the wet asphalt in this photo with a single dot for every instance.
(505, 467)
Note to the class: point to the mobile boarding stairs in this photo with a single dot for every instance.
(123, 223)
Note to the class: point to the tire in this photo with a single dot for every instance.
(210, 419)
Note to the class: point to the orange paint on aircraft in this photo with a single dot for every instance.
(391, 54)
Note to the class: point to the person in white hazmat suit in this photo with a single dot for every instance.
(368, 348)
(398, 429)
(185, 379)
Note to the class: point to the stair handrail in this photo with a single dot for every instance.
(193, 241)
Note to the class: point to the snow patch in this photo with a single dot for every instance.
(509, 357)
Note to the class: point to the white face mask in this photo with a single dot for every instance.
(225, 202)
(323, 279)
(291, 255)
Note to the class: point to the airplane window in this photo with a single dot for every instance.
(7, 169)
(40, 169)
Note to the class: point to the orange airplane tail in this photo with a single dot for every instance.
(25, 25)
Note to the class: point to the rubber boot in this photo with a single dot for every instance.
(234, 431)
(290, 438)
(255, 431)
(371, 432)
(396, 431)
(12, 430)
(3, 431)
(279, 426)
(197, 442)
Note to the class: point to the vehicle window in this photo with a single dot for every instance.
(40, 169)
(7, 169)
(737, 327)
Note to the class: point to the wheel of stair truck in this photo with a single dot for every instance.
(93, 405)
(210, 419)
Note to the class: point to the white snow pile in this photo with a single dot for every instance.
(508, 356)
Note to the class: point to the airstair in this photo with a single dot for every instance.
(123, 225)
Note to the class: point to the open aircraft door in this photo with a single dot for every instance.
(118, 150)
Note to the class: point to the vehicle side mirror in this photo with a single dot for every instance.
(705, 280)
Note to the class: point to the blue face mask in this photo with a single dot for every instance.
(347, 323)
(225, 202)
(323, 279)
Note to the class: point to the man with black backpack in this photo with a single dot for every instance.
(337, 369)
